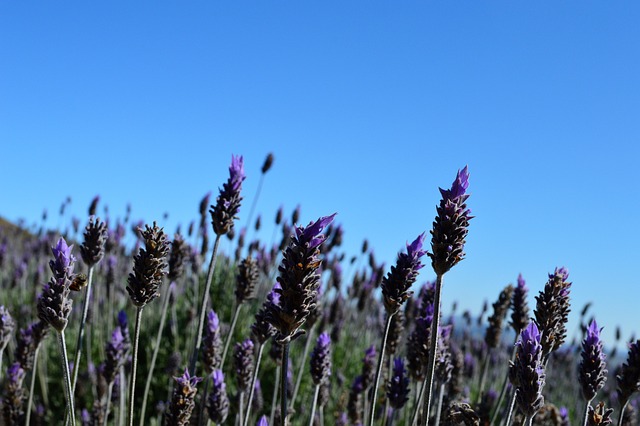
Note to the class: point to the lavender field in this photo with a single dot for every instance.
(121, 322)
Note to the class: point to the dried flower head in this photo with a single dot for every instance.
(180, 250)
(268, 162)
(520, 310)
(396, 285)
(227, 206)
(629, 378)
(149, 266)
(592, 373)
(500, 309)
(246, 279)
(95, 238)
(552, 311)
(601, 416)
(299, 279)
(182, 400)
(451, 224)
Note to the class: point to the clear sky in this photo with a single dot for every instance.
(367, 106)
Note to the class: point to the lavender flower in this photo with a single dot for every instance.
(243, 362)
(28, 341)
(299, 280)
(182, 400)
(263, 421)
(228, 202)
(261, 329)
(552, 311)
(7, 326)
(520, 310)
(14, 395)
(418, 345)
(179, 251)
(450, 225)
(395, 286)
(500, 309)
(218, 401)
(115, 355)
(211, 343)
(123, 323)
(321, 360)
(95, 238)
(398, 385)
(592, 372)
(629, 378)
(149, 266)
(54, 305)
(527, 372)
(369, 367)
(246, 280)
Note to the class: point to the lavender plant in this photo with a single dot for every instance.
(592, 373)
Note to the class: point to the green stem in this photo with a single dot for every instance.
(586, 413)
(503, 391)
(134, 363)
(512, 404)
(154, 356)
(230, 334)
(67, 379)
(483, 375)
(622, 408)
(32, 386)
(253, 385)
(121, 396)
(203, 310)
(432, 349)
(439, 407)
(283, 383)
(307, 346)
(313, 405)
(274, 398)
(376, 382)
(107, 403)
(85, 311)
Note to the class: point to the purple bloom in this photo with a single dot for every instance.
(398, 385)
(243, 362)
(63, 260)
(218, 401)
(182, 400)
(321, 360)
(211, 343)
(263, 421)
(369, 366)
(14, 395)
(592, 371)
(395, 286)
(299, 279)
(54, 304)
(527, 371)
(450, 226)
(115, 355)
(227, 206)
(6, 327)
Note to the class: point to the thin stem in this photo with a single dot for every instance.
(32, 386)
(586, 413)
(107, 403)
(622, 408)
(203, 401)
(121, 397)
(255, 201)
(240, 407)
(1, 369)
(439, 407)
(418, 405)
(134, 364)
(85, 311)
(230, 334)
(390, 416)
(274, 398)
(432, 348)
(253, 385)
(386, 400)
(307, 346)
(527, 421)
(154, 356)
(503, 391)
(313, 405)
(511, 406)
(67, 378)
(376, 382)
(203, 310)
(283, 384)
(483, 376)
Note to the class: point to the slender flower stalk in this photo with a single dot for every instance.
(253, 384)
(223, 214)
(448, 235)
(149, 267)
(592, 373)
(395, 291)
(299, 281)
(266, 166)
(54, 308)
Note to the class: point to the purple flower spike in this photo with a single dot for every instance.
(243, 362)
(299, 279)
(321, 360)
(212, 343)
(369, 366)
(218, 401)
(629, 378)
(14, 395)
(115, 352)
(182, 400)
(263, 421)
(592, 371)
(6, 327)
(63, 260)
(527, 371)
(227, 206)
(552, 311)
(395, 286)
(450, 226)
(398, 385)
(520, 309)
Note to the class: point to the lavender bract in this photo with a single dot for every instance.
(592, 373)
(395, 286)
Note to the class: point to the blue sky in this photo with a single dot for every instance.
(367, 107)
